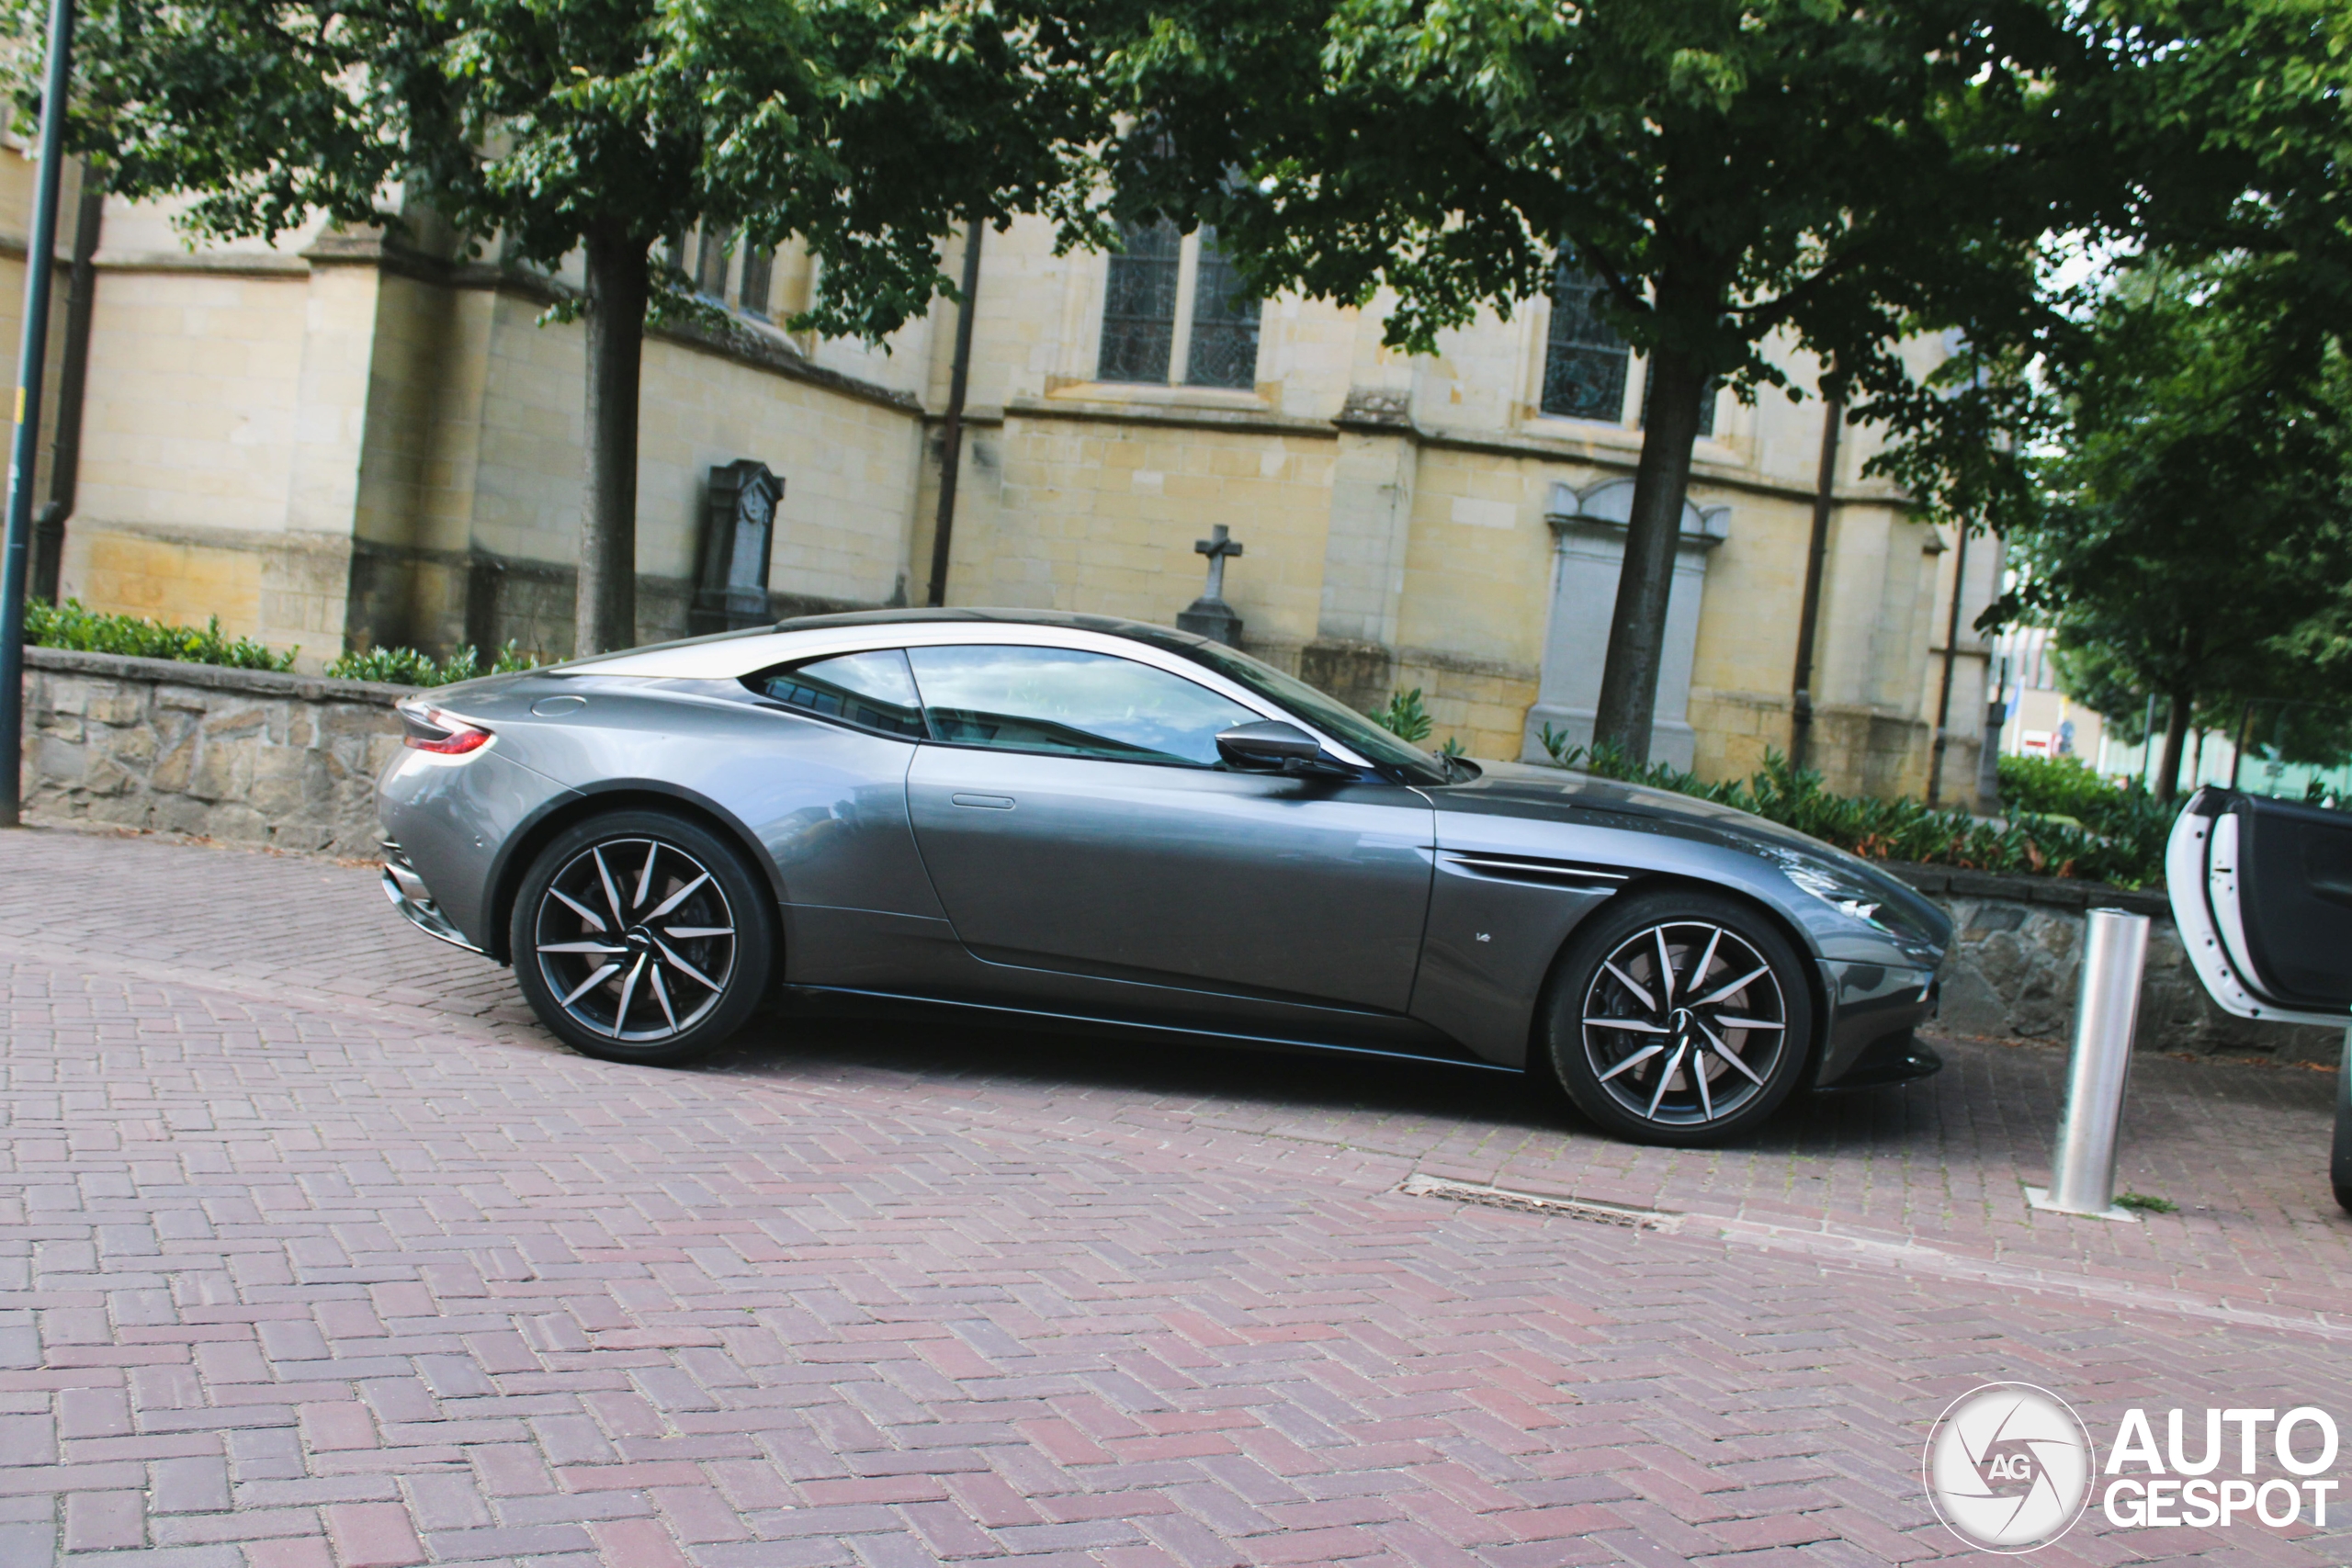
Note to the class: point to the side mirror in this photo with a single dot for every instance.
(1270, 746)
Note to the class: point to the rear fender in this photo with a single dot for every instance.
(522, 847)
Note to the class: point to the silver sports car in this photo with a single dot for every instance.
(1121, 826)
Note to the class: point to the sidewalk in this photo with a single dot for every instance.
(314, 1251)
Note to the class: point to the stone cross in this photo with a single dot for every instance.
(1210, 615)
(1216, 547)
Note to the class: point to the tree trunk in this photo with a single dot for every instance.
(1637, 633)
(2176, 741)
(619, 281)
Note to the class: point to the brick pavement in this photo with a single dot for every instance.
(313, 1251)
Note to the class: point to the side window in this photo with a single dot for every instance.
(1073, 704)
(872, 691)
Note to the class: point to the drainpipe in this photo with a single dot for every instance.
(1951, 652)
(66, 450)
(1988, 760)
(951, 433)
(1825, 502)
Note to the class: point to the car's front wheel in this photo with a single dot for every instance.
(640, 936)
(1680, 1017)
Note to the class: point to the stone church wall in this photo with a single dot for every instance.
(333, 445)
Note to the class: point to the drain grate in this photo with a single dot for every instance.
(1532, 1204)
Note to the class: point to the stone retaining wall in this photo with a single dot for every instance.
(2019, 954)
(244, 756)
(255, 757)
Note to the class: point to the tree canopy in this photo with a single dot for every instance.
(2163, 442)
(1735, 174)
(868, 127)
(2189, 524)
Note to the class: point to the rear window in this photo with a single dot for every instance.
(868, 691)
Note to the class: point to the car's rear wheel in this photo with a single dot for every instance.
(1680, 1017)
(640, 936)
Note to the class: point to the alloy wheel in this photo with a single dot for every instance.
(1684, 1022)
(635, 940)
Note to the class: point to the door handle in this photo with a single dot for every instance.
(984, 802)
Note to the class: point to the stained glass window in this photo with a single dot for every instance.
(1139, 305)
(1223, 347)
(759, 281)
(1584, 363)
(711, 262)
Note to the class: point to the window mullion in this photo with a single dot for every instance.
(1188, 278)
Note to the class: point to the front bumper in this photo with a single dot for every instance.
(1871, 1005)
(409, 894)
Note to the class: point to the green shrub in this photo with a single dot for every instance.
(2025, 845)
(70, 626)
(1405, 717)
(407, 667)
(2052, 786)
(2065, 787)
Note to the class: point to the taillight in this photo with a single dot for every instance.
(431, 730)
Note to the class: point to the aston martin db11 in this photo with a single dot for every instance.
(1127, 828)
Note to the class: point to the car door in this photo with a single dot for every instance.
(1073, 815)
(2261, 892)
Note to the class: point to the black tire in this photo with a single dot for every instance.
(2339, 1161)
(640, 936)
(1634, 1077)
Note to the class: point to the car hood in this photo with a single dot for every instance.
(1521, 789)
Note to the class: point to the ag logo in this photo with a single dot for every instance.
(2009, 1467)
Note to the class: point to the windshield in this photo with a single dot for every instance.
(1326, 713)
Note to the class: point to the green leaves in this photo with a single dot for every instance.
(1404, 717)
(2188, 536)
(70, 626)
(1735, 170)
(869, 127)
(2118, 838)
(204, 98)
(407, 667)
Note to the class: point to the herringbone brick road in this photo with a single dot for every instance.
(314, 1252)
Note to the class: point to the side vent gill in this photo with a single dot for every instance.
(1535, 871)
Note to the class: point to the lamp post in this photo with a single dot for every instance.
(40, 261)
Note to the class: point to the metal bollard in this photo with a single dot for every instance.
(2082, 1177)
